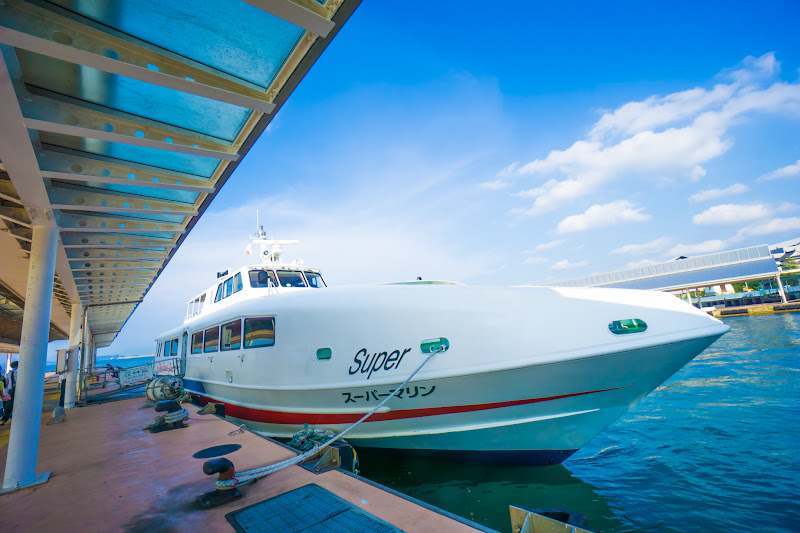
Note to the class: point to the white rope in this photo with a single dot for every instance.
(256, 473)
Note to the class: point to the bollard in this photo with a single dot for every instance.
(226, 471)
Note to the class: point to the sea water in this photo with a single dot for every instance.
(716, 448)
(113, 360)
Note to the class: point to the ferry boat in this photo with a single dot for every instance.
(523, 374)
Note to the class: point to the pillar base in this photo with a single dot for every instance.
(44, 477)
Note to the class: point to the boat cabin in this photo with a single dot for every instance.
(255, 281)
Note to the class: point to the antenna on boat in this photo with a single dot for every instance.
(268, 249)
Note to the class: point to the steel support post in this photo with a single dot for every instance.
(74, 353)
(23, 445)
(780, 288)
(84, 360)
(93, 355)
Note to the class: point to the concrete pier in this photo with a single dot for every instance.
(110, 475)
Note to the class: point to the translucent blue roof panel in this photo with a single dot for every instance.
(188, 197)
(168, 106)
(247, 42)
(170, 219)
(191, 164)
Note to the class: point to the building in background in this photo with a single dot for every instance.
(753, 275)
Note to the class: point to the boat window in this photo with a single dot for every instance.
(259, 332)
(237, 282)
(263, 278)
(158, 349)
(197, 342)
(315, 280)
(231, 336)
(228, 284)
(218, 297)
(174, 350)
(290, 278)
(211, 340)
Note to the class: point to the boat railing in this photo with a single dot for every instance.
(140, 374)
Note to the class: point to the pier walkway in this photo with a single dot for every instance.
(107, 474)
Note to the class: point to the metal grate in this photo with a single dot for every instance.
(309, 509)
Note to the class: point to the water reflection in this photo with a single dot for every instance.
(712, 450)
(483, 493)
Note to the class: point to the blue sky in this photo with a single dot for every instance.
(515, 144)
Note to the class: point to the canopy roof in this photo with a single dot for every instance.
(120, 121)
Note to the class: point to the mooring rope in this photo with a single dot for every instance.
(169, 418)
(256, 473)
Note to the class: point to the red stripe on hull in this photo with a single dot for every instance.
(281, 417)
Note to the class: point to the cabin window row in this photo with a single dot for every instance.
(168, 349)
(285, 278)
(230, 286)
(258, 332)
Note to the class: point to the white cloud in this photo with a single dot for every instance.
(788, 171)
(655, 112)
(660, 136)
(509, 170)
(549, 245)
(564, 264)
(721, 215)
(697, 173)
(700, 248)
(598, 216)
(496, 185)
(534, 260)
(642, 263)
(776, 225)
(646, 248)
(713, 194)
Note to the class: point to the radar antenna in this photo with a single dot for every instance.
(269, 250)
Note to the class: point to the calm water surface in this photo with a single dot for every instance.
(714, 449)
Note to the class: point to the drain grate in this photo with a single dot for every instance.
(217, 451)
(309, 509)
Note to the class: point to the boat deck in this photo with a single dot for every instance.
(107, 474)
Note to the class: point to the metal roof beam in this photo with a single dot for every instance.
(115, 295)
(126, 268)
(307, 14)
(17, 215)
(22, 234)
(97, 255)
(116, 281)
(47, 114)
(84, 261)
(98, 278)
(83, 223)
(74, 167)
(19, 159)
(16, 149)
(44, 32)
(115, 241)
(99, 200)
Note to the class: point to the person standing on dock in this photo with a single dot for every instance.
(11, 380)
(3, 384)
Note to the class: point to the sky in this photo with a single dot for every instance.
(515, 143)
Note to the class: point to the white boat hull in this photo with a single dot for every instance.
(535, 396)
